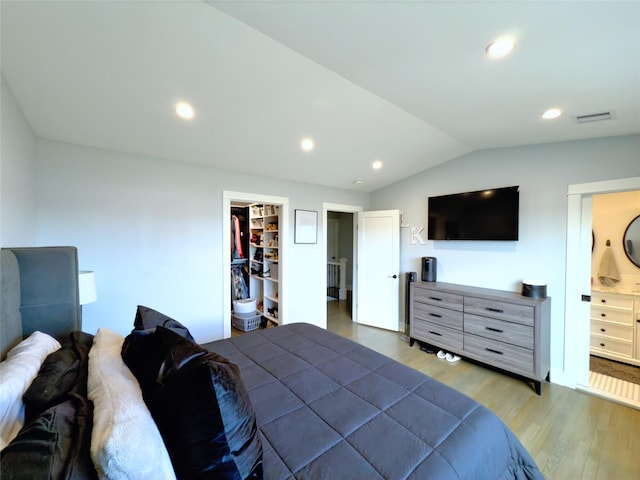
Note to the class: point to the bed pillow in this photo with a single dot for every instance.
(204, 413)
(125, 442)
(17, 372)
(148, 319)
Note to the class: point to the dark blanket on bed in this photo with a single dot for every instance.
(328, 407)
(56, 437)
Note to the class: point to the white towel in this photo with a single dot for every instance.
(608, 273)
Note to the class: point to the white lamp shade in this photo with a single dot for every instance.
(87, 286)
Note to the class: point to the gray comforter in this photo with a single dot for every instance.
(329, 408)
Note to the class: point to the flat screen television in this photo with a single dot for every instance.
(483, 215)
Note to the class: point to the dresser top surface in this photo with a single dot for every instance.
(489, 293)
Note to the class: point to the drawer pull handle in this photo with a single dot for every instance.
(435, 315)
(497, 310)
(603, 301)
(435, 333)
(435, 298)
(494, 351)
(602, 344)
(603, 314)
(603, 329)
(494, 329)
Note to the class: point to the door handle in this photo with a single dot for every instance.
(392, 276)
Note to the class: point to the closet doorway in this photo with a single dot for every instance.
(237, 199)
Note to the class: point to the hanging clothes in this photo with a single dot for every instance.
(236, 238)
(239, 289)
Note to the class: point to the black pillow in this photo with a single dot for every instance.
(200, 404)
(148, 318)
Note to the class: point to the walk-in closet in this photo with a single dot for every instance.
(254, 250)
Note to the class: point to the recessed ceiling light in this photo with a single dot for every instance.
(307, 144)
(377, 165)
(184, 110)
(501, 47)
(358, 182)
(552, 113)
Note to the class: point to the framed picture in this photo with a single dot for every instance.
(306, 226)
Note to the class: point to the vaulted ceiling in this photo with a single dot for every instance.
(407, 83)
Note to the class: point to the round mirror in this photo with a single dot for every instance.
(631, 241)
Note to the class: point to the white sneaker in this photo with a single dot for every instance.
(451, 358)
(442, 354)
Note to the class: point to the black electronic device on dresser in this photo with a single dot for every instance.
(503, 329)
(429, 267)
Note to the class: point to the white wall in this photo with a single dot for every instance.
(17, 174)
(543, 173)
(152, 231)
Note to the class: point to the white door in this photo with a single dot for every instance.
(378, 276)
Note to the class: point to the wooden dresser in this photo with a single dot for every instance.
(495, 327)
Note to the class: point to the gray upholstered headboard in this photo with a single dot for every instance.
(38, 291)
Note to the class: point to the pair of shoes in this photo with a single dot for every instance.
(449, 357)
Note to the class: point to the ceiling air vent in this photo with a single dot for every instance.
(594, 117)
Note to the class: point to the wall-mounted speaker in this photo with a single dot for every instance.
(429, 267)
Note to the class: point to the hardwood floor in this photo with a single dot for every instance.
(571, 435)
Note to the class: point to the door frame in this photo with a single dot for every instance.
(578, 277)
(283, 232)
(354, 209)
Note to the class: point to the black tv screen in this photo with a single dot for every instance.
(483, 215)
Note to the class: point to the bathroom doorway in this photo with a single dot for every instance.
(614, 355)
(578, 279)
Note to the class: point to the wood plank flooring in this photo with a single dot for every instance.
(571, 435)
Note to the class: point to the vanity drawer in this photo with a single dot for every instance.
(435, 297)
(612, 330)
(502, 355)
(502, 310)
(439, 315)
(437, 335)
(610, 345)
(513, 333)
(614, 315)
(612, 300)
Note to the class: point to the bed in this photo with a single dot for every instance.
(306, 403)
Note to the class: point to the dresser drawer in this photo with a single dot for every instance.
(513, 333)
(502, 355)
(614, 315)
(439, 315)
(435, 297)
(610, 345)
(612, 330)
(437, 335)
(502, 310)
(612, 300)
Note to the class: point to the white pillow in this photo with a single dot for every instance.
(17, 372)
(125, 441)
